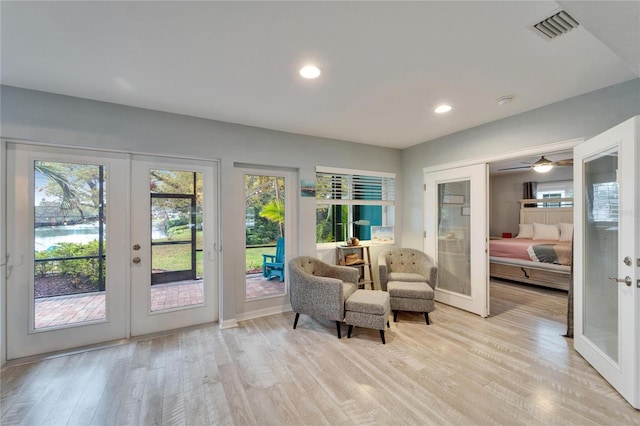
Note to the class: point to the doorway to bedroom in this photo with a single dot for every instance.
(511, 267)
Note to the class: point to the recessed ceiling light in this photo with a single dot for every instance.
(503, 100)
(310, 71)
(442, 109)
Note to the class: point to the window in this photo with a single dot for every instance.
(605, 202)
(556, 189)
(349, 202)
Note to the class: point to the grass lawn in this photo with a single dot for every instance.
(254, 256)
(178, 257)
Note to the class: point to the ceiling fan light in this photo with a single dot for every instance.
(543, 168)
(542, 165)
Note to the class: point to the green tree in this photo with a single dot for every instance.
(59, 184)
(274, 211)
(260, 190)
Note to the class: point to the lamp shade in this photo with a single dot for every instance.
(542, 165)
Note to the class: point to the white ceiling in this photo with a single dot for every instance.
(385, 65)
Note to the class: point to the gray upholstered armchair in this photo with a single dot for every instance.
(319, 289)
(409, 276)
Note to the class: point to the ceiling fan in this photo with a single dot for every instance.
(543, 165)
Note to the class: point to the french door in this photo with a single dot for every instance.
(606, 252)
(455, 236)
(173, 236)
(66, 284)
(78, 222)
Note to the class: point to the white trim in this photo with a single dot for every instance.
(347, 202)
(341, 171)
(535, 150)
(107, 150)
(3, 251)
(225, 324)
(258, 313)
(291, 191)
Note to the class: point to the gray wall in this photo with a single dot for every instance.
(505, 191)
(56, 119)
(581, 117)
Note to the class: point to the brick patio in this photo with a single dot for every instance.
(77, 308)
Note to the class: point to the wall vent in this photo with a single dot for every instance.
(556, 25)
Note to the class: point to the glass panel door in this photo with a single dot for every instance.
(456, 235)
(173, 258)
(102, 246)
(65, 286)
(606, 253)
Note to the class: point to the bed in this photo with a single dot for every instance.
(542, 252)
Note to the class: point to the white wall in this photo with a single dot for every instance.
(581, 117)
(56, 119)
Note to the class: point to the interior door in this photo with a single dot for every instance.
(174, 274)
(66, 242)
(606, 256)
(456, 236)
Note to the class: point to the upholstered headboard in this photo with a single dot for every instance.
(543, 213)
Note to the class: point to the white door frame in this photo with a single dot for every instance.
(535, 150)
(3, 251)
(253, 308)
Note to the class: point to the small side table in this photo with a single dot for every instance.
(363, 253)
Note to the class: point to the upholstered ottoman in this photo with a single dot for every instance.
(368, 308)
(412, 297)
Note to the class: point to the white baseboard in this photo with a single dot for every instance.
(263, 312)
(224, 324)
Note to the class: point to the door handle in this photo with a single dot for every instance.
(136, 260)
(626, 280)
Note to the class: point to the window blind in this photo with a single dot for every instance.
(340, 186)
(605, 202)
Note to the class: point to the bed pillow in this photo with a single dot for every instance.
(542, 231)
(566, 231)
(525, 231)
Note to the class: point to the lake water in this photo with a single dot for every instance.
(48, 236)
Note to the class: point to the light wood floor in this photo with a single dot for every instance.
(511, 368)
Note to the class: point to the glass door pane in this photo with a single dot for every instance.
(454, 267)
(69, 243)
(264, 235)
(176, 239)
(600, 218)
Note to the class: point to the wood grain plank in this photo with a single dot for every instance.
(514, 368)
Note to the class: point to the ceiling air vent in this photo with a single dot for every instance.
(556, 25)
